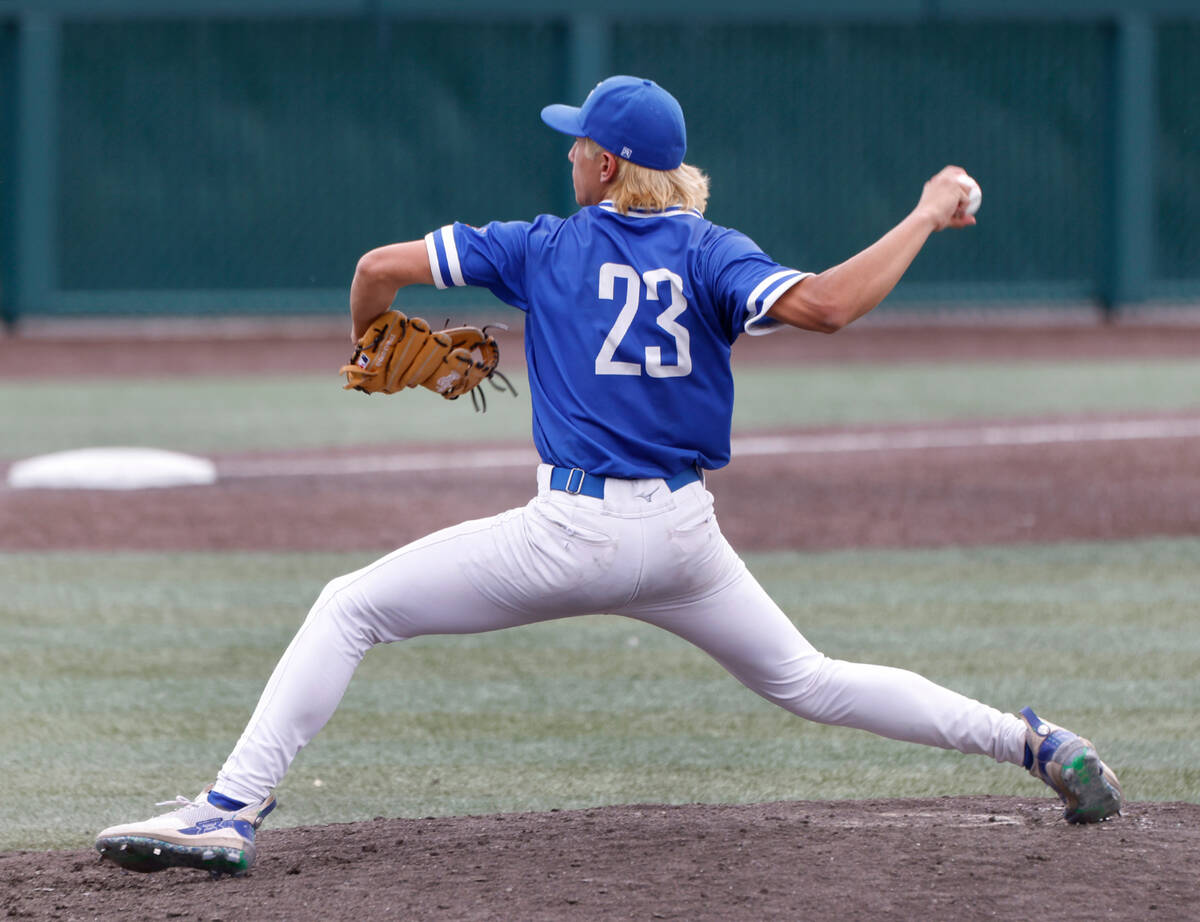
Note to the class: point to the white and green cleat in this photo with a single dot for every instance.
(1072, 768)
(194, 835)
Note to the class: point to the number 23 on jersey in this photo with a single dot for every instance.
(606, 364)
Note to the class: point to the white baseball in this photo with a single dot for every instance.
(974, 193)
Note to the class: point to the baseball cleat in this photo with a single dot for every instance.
(194, 835)
(1070, 765)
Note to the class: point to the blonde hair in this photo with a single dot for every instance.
(639, 187)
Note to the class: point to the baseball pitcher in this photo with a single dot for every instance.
(632, 305)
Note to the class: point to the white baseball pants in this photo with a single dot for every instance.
(643, 552)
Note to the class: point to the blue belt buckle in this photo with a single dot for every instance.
(571, 478)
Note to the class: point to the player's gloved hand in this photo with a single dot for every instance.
(398, 352)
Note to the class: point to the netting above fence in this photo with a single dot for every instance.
(267, 154)
(820, 137)
(1177, 189)
(257, 155)
(8, 133)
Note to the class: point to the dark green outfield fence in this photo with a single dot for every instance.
(237, 156)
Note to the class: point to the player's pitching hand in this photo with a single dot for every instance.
(944, 199)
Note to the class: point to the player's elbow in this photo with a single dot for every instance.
(824, 323)
(830, 320)
(372, 266)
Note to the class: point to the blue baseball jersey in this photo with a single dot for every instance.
(629, 324)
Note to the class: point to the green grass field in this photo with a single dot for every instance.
(209, 414)
(129, 676)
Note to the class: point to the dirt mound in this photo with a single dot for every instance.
(947, 858)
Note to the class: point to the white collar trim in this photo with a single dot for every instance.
(665, 213)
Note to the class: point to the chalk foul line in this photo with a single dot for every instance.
(987, 436)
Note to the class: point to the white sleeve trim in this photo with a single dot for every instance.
(757, 321)
(431, 251)
(452, 255)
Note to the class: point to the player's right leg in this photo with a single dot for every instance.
(742, 628)
(1072, 768)
(738, 624)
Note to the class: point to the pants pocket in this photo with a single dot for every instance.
(569, 555)
(696, 536)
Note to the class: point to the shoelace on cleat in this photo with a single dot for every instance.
(179, 800)
(188, 810)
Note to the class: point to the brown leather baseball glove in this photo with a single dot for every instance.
(398, 352)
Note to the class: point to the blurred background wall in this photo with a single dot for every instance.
(226, 157)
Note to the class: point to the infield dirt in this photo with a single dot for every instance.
(948, 858)
(943, 859)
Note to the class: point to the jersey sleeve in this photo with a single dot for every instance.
(491, 257)
(747, 282)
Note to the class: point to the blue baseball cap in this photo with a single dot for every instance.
(633, 117)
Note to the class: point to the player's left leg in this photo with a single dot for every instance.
(519, 567)
(398, 596)
(524, 565)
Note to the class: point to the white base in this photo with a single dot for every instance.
(111, 469)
